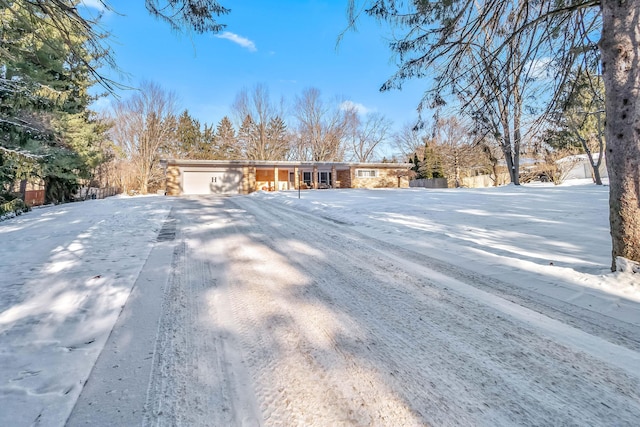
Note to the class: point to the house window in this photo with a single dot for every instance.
(324, 179)
(366, 173)
(306, 178)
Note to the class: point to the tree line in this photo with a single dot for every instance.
(147, 127)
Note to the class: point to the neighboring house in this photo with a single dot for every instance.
(579, 167)
(244, 177)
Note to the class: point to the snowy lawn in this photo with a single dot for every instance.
(560, 233)
(66, 271)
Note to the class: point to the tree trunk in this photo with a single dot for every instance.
(456, 163)
(494, 167)
(595, 167)
(601, 142)
(509, 158)
(619, 45)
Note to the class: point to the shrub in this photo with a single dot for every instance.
(11, 206)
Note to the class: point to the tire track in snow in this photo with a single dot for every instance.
(613, 330)
(197, 379)
(294, 385)
(275, 317)
(530, 379)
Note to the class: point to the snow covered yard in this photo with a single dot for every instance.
(559, 232)
(343, 307)
(65, 273)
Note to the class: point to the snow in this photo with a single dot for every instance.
(559, 232)
(66, 273)
(350, 307)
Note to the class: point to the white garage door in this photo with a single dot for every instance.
(226, 181)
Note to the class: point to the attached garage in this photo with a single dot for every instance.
(207, 181)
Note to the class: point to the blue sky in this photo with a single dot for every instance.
(287, 45)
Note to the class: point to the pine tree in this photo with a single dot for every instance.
(416, 166)
(189, 141)
(277, 138)
(226, 141)
(43, 100)
(208, 142)
(246, 139)
(431, 164)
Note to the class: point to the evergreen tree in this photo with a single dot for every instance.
(416, 166)
(226, 141)
(45, 129)
(431, 164)
(277, 139)
(189, 138)
(247, 134)
(208, 142)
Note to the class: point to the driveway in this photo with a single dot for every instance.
(269, 316)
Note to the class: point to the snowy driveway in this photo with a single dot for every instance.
(274, 316)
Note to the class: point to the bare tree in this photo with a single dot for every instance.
(321, 129)
(490, 158)
(365, 136)
(488, 55)
(456, 146)
(256, 115)
(143, 126)
(409, 141)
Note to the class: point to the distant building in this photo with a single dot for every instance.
(578, 167)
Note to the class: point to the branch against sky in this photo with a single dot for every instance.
(441, 42)
(67, 21)
(366, 135)
(321, 127)
(198, 15)
(262, 132)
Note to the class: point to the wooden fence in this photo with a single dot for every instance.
(85, 193)
(429, 183)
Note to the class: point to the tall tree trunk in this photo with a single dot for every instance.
(619, 45)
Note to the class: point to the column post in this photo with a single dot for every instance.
(314, 178)
(276, 183)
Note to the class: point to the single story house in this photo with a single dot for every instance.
(245, 176)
